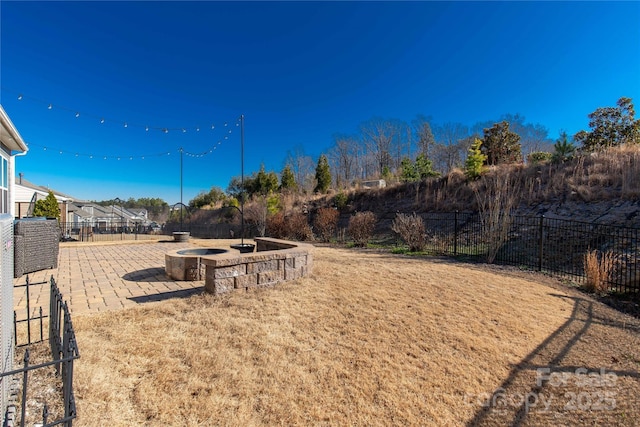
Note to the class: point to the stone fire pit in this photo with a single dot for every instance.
(225, 270)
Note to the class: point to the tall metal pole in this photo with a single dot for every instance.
(242, 179)
(181, 205)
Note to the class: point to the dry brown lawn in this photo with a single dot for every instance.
(369, 339)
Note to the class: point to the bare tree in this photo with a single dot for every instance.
(303, 167)
(533, 136)
(496, 204)
(381, 136)
(424, 134)
(256, 214)
(452, 144)
(343, 158)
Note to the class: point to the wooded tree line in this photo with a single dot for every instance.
(412, 151)
(392, 148)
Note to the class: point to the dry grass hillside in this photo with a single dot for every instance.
(588, 185)
(603, 186)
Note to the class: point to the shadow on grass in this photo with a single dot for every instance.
(162, 296)
(531, 381)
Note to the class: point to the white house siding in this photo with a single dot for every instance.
(11, 144)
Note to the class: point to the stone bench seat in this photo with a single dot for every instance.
(275, 261)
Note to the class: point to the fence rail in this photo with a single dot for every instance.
(63, 350)
(552, 245)
(70, 231)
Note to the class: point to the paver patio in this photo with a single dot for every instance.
(95, 277)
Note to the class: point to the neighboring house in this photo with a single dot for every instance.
(104, 219)
(27, 193)
(11, 145)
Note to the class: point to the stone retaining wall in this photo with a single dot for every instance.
(276, 261)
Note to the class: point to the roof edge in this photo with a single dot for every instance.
(15, 141)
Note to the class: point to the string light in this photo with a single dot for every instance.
(102, 120)
(127, 124)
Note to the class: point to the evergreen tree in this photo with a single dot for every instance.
(416, 172)
(563, 149)
(265, 182)
(323, 175)
(501, 145)
(474, 164)
(287, 179)
(48, 207)
(611, 126)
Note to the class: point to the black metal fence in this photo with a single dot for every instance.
(552, 245)
(100, 232)
(212, 231)
(63, 348)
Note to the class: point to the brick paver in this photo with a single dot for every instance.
(96, 278)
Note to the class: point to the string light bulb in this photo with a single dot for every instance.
(102, 121)
(125, 124)
(50, 107)
(20, 97)
(77, 115)
(146, 128)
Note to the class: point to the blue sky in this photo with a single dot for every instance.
(299, 72)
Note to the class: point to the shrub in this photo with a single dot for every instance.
(599, 268)
(411, 229)
(294, 227)
(341, 200)
(47, 207)
(277, 226)
(361, 227)
(298, 227)
(326, 223)
(538, 157)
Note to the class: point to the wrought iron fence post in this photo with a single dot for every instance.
(25, 378)
(541, 243)
(45, 414)
(455, 234)
(28, 312)
(15, 328)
